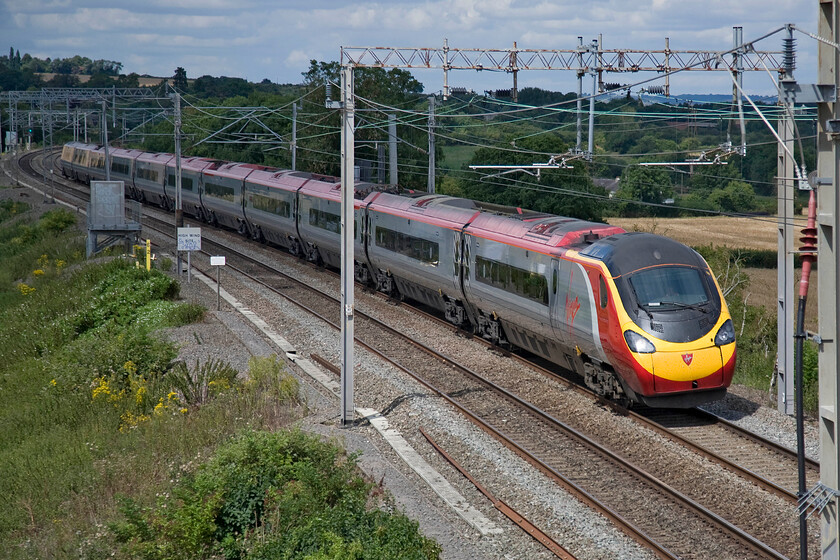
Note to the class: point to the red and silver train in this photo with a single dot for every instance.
(639, 316)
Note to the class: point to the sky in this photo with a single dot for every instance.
(258, 39)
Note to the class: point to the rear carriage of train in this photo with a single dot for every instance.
(73, 159)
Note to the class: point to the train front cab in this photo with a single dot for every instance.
(677, 341)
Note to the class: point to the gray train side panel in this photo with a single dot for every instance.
(327, 240)
(573, 315)
(226, 207)
(277, 227)
(419, 280)
(149, 177)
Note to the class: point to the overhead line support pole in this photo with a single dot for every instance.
(430, 184)
(347, 239)
(786, 191)
(179, 208)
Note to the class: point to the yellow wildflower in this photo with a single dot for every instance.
(38, 272)
(101, 389)
(25, 290)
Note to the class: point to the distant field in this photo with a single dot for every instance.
(748, 233)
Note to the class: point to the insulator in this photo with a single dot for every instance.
(789, 54)
(611, 86)
(329, 91)
(656, 90)
(809, 243)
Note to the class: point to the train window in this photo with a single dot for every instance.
(412, 247)
(602, 291)
(147, 173)
(674, 285)
(325, 220)
(519, 281)
(120, 165)
(186, 182)
(271, 204)
(219, 191)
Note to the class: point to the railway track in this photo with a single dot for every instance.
(592, 472)
(602, 478)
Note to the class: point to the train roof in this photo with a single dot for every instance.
(232, 170)
(631, 251)
(330, 187)
(547, 230)
(431, 208)
(194, 163)
(129, 153)
(147, 157)
(279, 179)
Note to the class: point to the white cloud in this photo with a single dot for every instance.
(269, 38)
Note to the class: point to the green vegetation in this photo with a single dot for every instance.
(263, 496)
(109, 447)
(756, 329)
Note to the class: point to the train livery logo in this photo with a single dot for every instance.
(687, 358)
(572, 307)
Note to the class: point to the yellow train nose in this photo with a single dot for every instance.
(687, 365)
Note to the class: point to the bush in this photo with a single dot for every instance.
(270, 495)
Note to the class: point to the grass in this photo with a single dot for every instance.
(456, 157)
(99, 425)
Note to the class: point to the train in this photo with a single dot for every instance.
(640, 317)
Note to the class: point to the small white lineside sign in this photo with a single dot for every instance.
(189, 239)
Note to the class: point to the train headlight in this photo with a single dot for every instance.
(726, 334)
(638, 343)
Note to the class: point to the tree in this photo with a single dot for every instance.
(645, 184)
(320, 150)
(737, 196)
(179, 80)
(565, 192)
